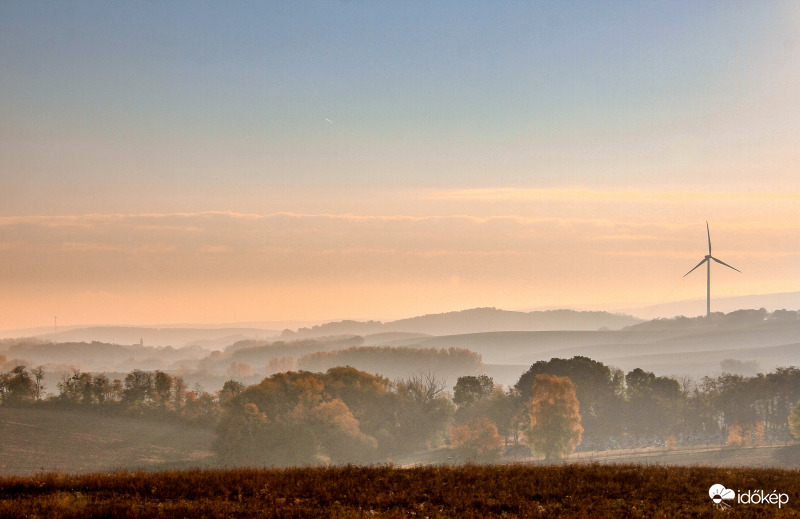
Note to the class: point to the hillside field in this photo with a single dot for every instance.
(50, 440)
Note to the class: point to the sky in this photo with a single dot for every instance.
(165, 162)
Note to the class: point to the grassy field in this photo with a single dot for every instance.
(37, 440)
(572, 490)
(778, 456)
(765, 456)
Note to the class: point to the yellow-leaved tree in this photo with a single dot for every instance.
(794, 421)
(555, 419)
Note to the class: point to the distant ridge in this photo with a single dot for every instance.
(212, 338)
(696, 307)
(475, 320)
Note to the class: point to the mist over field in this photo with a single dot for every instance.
(502, 258)
(441, 388)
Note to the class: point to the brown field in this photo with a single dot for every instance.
(572, 490)
(59, 463)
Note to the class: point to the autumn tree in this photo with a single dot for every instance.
(297, 418)
(597, 388)
(479, 398)
(200, 406)
(341, 416)
(476, 440)
(735, 438)
(230, 390)
(337, 433)
(555, 421)
(794, 421)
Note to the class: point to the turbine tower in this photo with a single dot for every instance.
(708, 271)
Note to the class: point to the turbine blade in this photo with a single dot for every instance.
(723, 263)
(704, 260)
(709, 239)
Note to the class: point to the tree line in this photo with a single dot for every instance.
(346, 415)
(640, 406)
(396, 362)
(153, 393)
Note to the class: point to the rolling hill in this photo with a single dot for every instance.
(667, 350)
(473, 321)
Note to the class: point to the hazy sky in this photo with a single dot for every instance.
(238, 161)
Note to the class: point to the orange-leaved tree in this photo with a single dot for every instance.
(555, 421)
(476, 440)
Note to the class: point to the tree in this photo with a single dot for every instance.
(652, 403)
(200, 406)
(476, 440)
(425, 412)
(341, 416)
(230, 390)
(395, 362)
(240, 370)
(178, 393)
(506, 410)
(555, 421)
(17, 386)
(337, 433)
(296, 418)
(138, 392)
(794, 421)
(76, 387)
(596, 387)
(735, 437)
(471, 389)
(101, 389)
(38, 376)
(162, 388)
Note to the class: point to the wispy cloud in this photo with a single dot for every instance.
(600, 195)
(499, 260)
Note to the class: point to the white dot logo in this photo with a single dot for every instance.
(719, 494)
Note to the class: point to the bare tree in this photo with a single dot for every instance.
(423, 387)
(38, 376)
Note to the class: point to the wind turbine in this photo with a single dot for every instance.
(708, 272)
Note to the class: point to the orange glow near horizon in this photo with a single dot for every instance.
(220, 267)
